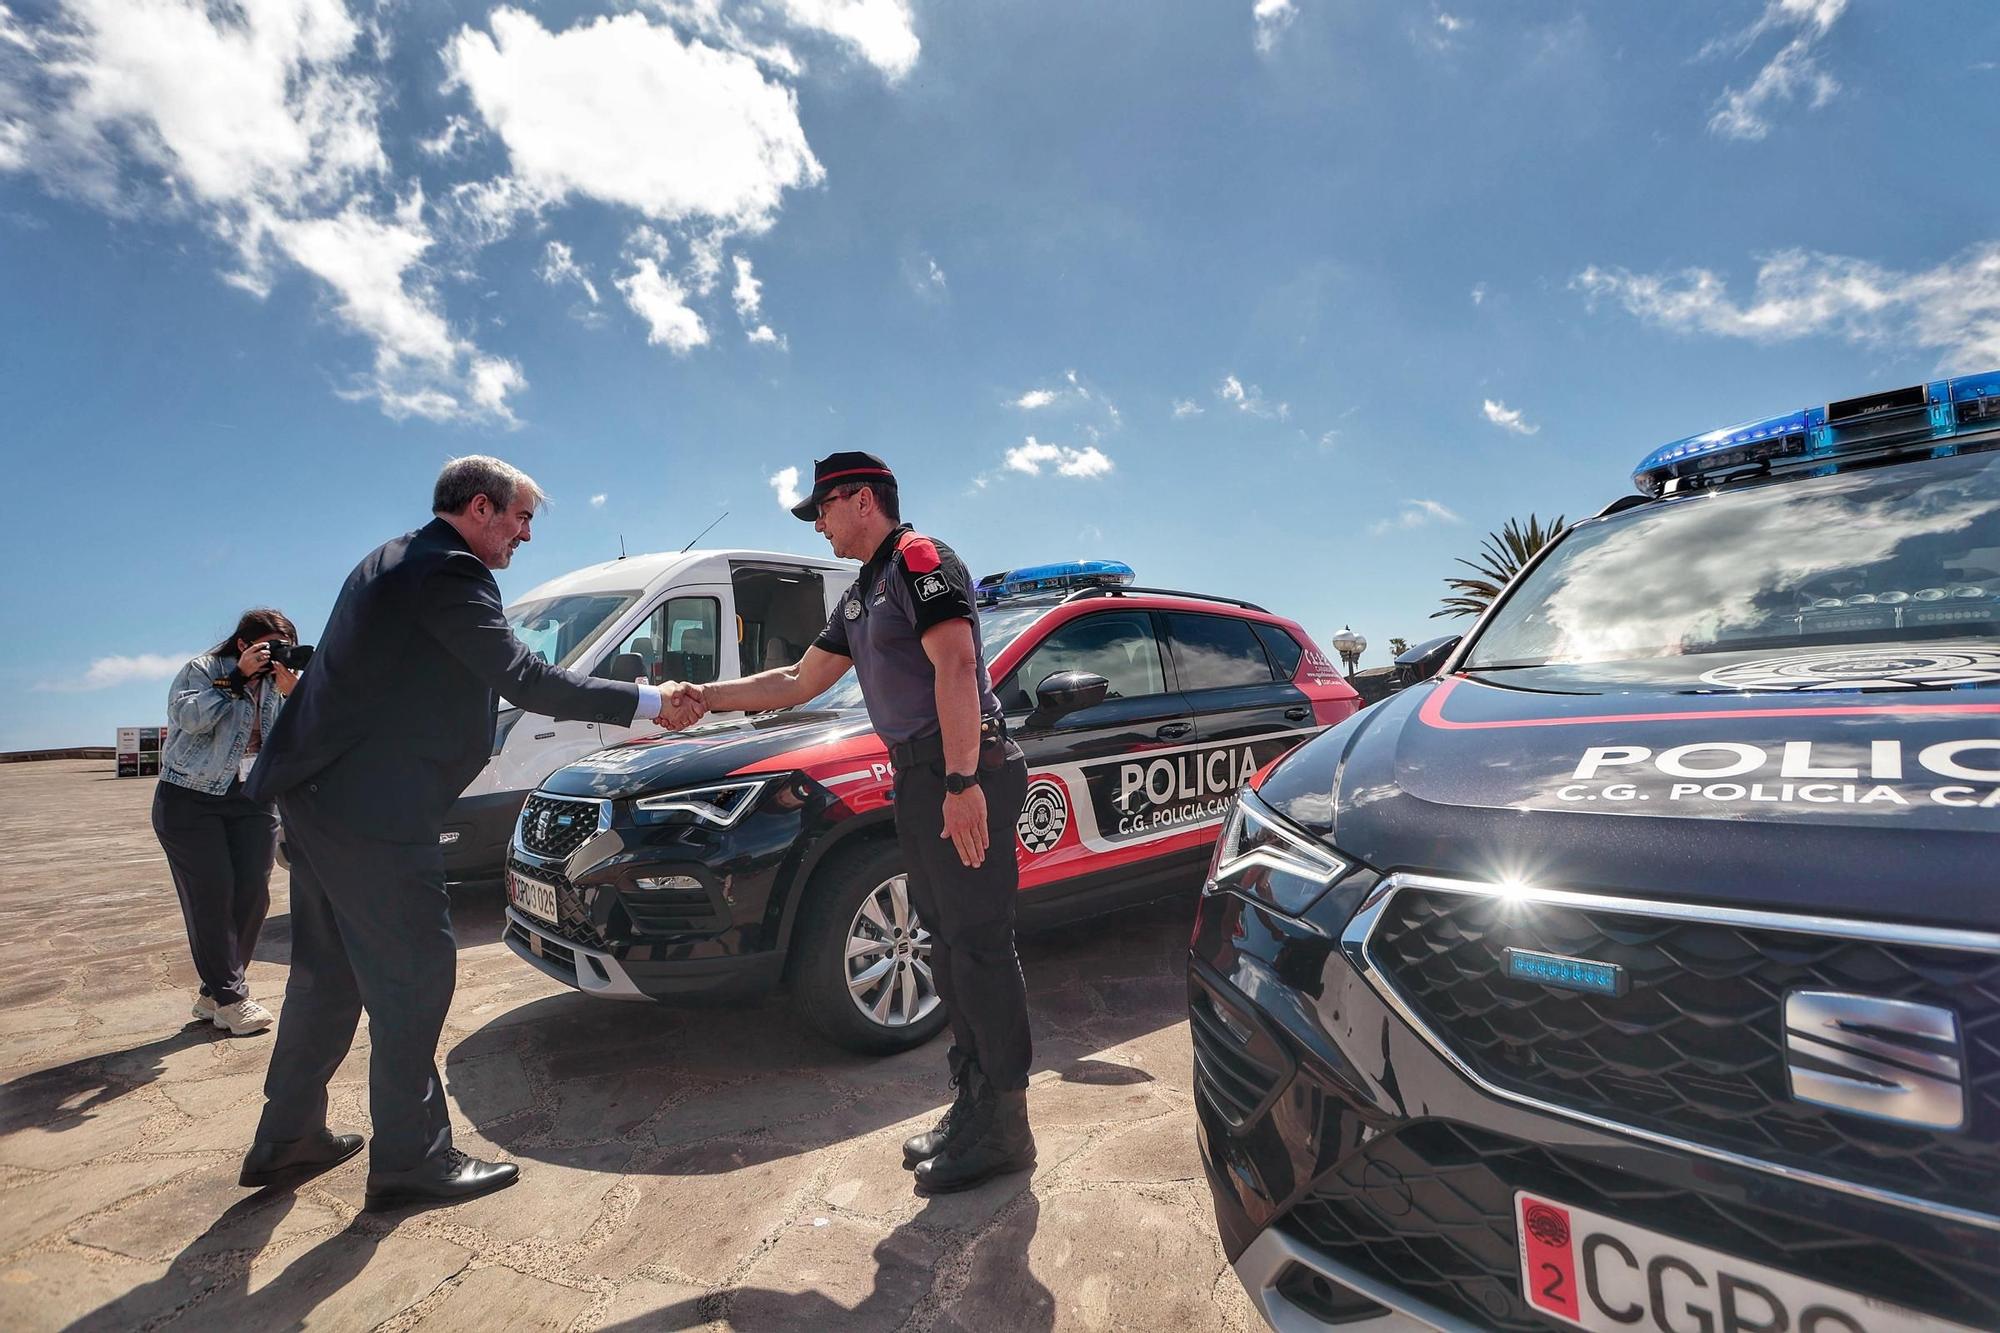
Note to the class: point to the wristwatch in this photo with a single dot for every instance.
(954, 783)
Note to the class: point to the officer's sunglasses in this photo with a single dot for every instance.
(844, 493)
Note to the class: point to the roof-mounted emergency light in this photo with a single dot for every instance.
(1066, 576)
(1927, 419)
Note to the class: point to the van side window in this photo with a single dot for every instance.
(676, 642)
(779, 613)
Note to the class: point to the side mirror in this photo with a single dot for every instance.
(1064, 692)
(627, 667)
(1422, 662)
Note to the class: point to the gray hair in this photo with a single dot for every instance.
(477, 474)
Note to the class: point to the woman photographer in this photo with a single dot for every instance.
(219, 843)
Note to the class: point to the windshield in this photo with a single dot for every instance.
(998, 627)
(556, 629)
(1902, 554)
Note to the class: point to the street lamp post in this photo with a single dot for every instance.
(1350, 646)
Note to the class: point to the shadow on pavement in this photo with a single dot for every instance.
(65, 1096)
(900, 1281)
(216, 1269)
(568, 1078)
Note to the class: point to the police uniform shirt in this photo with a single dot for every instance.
(910, 585)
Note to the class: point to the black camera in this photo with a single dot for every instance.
(291, 656)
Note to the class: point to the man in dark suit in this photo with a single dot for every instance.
(394, 716)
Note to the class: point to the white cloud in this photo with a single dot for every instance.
(879, 30)
(1415, 514)
(662, 302)
(1032, 456)
(622, 111)
(1250, 399)
(748, 292)
(926, 279)
(1270, 19)
(785, 481)
(1449, 23)
(1742, 113)
(1952, 309)
(1478, 293)
(110, 672)
(1185, 408)
(1035, 398)
(457, 130)
(259, 122)
(1507, 418)
(559, 266)
(597, 501)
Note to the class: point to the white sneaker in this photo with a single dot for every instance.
(204, 1007)
(243, 1018)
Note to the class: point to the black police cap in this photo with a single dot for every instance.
(837, 470)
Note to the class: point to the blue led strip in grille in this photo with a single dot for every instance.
(1578, 974)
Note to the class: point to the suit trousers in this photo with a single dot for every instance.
(970, 913)
(371, 930)
(220, 850)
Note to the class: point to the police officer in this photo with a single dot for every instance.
(909, 628)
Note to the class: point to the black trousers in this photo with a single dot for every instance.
(371, 929)
(971, 914)
(220, 850)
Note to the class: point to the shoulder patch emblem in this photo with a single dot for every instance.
(920, 555)
(853, 609)
(931, 586)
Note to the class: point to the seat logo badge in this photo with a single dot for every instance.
(542, 826)
(1578, 974)
(1887, 1059)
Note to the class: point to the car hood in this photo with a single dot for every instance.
(771, 742)
(1840, 802)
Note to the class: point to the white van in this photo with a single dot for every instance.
(687, 615)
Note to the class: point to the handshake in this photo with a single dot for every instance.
(681, 705)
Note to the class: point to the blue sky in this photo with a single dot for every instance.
(1290, 300)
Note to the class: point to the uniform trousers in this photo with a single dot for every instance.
(371, 930)
(220, 850)
(970, 913)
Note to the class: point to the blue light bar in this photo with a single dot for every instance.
(1060, 577)
(1578, 974)
(1922, 419)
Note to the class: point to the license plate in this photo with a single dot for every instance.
(1594, 1272)
(532, 896)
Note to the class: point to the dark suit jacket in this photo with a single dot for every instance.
(395, 714)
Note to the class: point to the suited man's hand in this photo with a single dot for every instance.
(681, 705)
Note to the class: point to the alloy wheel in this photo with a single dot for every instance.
(889, 958)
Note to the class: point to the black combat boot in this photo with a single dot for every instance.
(967, 1081)
(996, 1140)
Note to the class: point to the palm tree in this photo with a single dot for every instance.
(1397, 647)
(1501, 555)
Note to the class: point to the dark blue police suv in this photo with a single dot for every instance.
(1640, 968)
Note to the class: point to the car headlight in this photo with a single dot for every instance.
(1262, 856)
(721, 805)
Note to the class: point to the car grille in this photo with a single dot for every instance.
(1430, 1210)
(670, 911)
(1696, 1049)
(573, 917)
(554, 827)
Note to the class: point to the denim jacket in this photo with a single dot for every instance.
(207, 728)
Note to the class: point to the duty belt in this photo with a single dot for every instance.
(930, 749)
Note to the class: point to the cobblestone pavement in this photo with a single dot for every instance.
(681, 1169)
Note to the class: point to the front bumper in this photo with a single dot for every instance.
(1355, 1172)
(606, 976)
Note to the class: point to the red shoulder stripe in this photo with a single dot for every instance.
(919, 554)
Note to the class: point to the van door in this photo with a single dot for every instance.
(682, 638)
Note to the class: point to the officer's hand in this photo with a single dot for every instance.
(965, 825)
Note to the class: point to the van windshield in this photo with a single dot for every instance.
(556, 629)
(1905, 554)
(998, 627)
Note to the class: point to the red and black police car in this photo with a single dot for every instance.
(1641, 968)
(741, 857)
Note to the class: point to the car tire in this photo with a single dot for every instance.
(858, 918)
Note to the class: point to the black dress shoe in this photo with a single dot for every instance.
(281, 1162)
(450, 1177)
